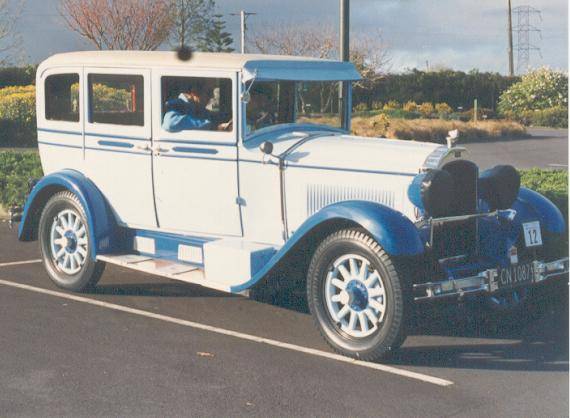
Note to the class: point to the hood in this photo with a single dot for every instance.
(317, 146)
(361, 153)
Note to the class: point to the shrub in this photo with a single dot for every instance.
(543, 91)
(410, 106)
(443, 109)
(554, 117)
(436, 130)
(426, 109)
(16, 168)
(17, 76)
(360, 107)
(376, 105)
(392, 105)
(401, 114)
(17, 116)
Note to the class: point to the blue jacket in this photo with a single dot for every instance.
(182, 115)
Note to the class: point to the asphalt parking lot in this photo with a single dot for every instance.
(545, 148)
(142, 345)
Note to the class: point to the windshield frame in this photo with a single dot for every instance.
(244, 102)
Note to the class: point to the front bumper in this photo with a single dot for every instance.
(487, 282)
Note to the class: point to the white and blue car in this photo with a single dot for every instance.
(270, 186)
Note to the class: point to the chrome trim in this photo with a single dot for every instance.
(486, 282)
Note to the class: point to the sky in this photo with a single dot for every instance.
(458, 34)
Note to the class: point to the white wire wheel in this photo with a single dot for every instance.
(356, 295)
(65, 243)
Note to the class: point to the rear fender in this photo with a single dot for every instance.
(101, 223)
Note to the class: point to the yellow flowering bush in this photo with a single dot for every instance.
(17, 116)
(411, 106)
(426, 109)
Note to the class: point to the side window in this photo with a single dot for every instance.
(196, 103)
(62, 97)
(116, 99)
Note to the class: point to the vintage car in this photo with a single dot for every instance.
(231, 171)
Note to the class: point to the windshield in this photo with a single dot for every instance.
(279, 102)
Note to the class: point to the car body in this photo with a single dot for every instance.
(252, 196)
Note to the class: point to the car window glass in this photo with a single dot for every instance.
(62, 97)
(116, 99)
(196, 103)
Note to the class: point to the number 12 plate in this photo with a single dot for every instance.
(532, 237)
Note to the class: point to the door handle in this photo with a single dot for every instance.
(143, 147)
(157, 149)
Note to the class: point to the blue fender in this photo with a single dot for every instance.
(101, 223)
(531, 205)
(397, 235)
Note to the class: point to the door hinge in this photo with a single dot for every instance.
(240, 201)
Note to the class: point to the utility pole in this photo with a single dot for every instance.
(243, 28)
(511, 59)
(344, 56)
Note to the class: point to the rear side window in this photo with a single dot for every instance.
(116, 99)
(62, 97)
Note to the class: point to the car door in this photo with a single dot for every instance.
(118, 142)
(196, 170)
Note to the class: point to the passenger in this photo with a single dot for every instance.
(188, 112)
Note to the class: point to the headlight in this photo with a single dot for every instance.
(432, 192)
(499, 186)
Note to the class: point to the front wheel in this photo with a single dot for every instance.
(65, 244)
(356, 295)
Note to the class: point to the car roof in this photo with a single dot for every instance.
(257, 66)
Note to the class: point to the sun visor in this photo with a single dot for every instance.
(299, 70)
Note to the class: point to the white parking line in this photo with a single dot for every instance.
(19, 263)
(558, 165)
(293, 347)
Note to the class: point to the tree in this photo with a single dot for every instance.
(9, 39)
(119, 24)
(368, 53)
(215, 38)
(190, 19)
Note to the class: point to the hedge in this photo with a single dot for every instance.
(16, 169)
(456, 88)
(18, 76)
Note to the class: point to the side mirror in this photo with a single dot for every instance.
(245, 97)
(266, 147)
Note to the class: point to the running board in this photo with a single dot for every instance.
(161, 267)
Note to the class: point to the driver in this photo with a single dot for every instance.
(188, 112)
(260, 108)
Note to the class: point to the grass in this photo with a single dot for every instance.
(435, 130)
(373, 124)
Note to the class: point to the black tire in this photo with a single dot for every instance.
(90, 272)
(390, 332)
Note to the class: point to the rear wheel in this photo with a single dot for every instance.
(356, 295)
(65, 244)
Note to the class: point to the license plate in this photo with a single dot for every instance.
(532, 237)
(516, 275)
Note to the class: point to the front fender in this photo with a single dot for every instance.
(101, 223)
(391, 229)
(531, 205)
